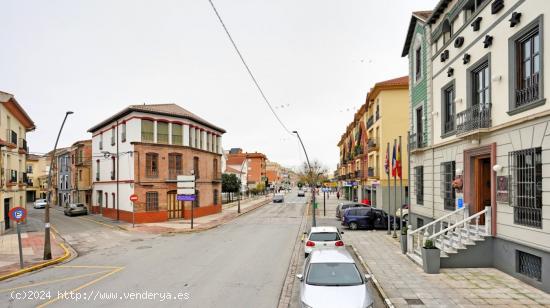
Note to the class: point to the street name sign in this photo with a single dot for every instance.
(185, 197)
(186, 185)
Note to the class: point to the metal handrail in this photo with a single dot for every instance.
(458, 223)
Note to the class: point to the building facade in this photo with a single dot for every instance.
(81, 172)
(142, 149)
(64, 183)
(255, 163)
(33, 172)
(238, 165)
(490, 139)
(15, 122)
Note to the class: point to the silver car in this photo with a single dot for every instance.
(331, 279)
(76, 209)
(40, 203)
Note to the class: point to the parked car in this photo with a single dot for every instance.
(40, 203)
(301, 193)
(405, 208)
(367, 218)
(278, 198)
(323, 237)
(331, 279)
(344, 205)
(76, 209)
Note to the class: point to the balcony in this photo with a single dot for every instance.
(473, 119)
(529, 92)
(372, 172)
(23, 145)
(416, 142)
(372, 144)
(370, 122)
(11, 136)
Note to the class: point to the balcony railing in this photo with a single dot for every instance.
(475, 117)
(370, 121)
(416, 142)
(373, 144)
(529, 92)
(372, 172)
(11, 136)
(23, 144)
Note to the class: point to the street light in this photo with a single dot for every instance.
(240, 186)
(314, 222)
(47, 243)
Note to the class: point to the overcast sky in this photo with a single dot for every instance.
(317, 58)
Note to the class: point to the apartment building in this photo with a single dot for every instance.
(238, 165)
(64, 181)
(142, 149)
(15, 122)
(484, 169)
(256, 166)
(32, 173)
(81, 172)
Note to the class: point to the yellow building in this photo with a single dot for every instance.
(387, 119)
(14, 124)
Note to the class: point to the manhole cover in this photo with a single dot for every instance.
(414, 301)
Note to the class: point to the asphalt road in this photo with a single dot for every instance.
(240, 264)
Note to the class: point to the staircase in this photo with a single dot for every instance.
(451, 233)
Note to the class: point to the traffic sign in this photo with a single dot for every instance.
(134, 198)
(185, 197)
(186, 185)
(186, 178)
(18, 213)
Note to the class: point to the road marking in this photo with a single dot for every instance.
(52, 281)
(116, 270)
(99, 223)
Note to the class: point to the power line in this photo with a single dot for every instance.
(248, 68)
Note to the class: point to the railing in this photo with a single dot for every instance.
(529, 92)
(11, 136)
(370, 122)
(415, 238)
(416, 141)
(441, 240)
(23, 144)
(373, 144)
(475, 117)
(147, 137)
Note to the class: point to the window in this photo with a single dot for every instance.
(151, 164)
(215, 169)
(147, 131)
(419, 129)
(448, 110)
(525, 75)
(29, 169)
(419, 222)
(480, 84)
(447, 191)
(417, 63)
(196, 167)
(97, 170)
(113, 168)
(162, 132)
(175, 167)
(191, 136)
(177, 134)
(152, 201)
(419, 182)
(333, 274)
(100, 197)
(113, 136)
(198, 138)
(123, 134)
(101, 141)
(525, 173)
(215, 197)
(529, 265)
(80, 175)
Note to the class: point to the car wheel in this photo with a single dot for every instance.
(306, 255)
(353, 226)
(406, 217)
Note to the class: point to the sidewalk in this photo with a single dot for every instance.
(406, 284)
(229, 212)
(33, 251)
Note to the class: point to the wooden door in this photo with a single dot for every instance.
(482, 186)
(175, 208)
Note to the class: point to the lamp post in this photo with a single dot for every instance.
(47, 243)
(240, 187)
(314, 222)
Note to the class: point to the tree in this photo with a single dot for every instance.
(316, 175)
(260, 187)
(230, 183)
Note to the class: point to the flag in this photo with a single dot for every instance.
(398, 162)
(393, 161)
(387, 162)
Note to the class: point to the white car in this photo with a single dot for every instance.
(322, 238)
(405, 213)
(331, 279)
(40, 203)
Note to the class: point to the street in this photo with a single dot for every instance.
(242, 263)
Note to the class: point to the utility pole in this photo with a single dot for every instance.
(47, 242)
(314, 223)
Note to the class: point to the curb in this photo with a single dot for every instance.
(377, 285)
(41, 265)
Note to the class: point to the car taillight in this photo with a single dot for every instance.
(339, 243)
(310, 244)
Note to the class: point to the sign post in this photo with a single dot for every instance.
(18, 214)
(133, 198)
(186, 192)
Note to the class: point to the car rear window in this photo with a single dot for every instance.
(333, 274)
(324, 237)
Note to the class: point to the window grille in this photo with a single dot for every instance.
(525, 173)
(529, 265)
(447, 191)
(152, 201)
(419, 183)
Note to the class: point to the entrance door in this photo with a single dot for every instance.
(6, 214)
(482, 186)
(175, 207)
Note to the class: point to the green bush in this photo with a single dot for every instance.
(404, 231)
(429, 244)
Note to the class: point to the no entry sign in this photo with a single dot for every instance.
(18, 213)
(134, 198)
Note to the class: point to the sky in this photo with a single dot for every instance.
(314, 59)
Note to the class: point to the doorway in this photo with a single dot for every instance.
(6, 213)
(175, 207)
(482, 186)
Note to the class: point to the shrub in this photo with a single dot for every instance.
(429, 244)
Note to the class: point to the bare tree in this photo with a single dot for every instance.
(316, 175)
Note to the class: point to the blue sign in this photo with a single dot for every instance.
(185, 197)
(460, 203)
(17, 213)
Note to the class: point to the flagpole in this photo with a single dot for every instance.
(394, 235)
(401, 185)
(389, 185)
